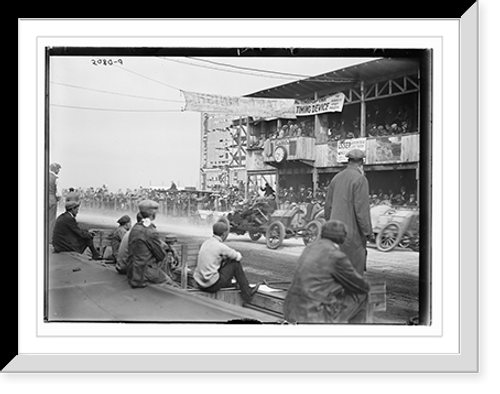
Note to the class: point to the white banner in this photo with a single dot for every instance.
(344, 146)
(333, 103)
(243, 106)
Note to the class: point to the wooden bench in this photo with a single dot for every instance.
(188, 255)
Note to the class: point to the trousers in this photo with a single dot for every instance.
(231, 269)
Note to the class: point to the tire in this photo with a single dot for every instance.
(255, 235)
(275, 235)
(405, 241)
(388, 237)
(313, 232)
(226, 222)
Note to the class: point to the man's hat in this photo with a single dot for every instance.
(71, 204)
(219, 228)
(355, 154)
(334, 229)
(124, 219)
(54, 166)
(148, 206)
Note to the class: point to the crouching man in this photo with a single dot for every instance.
(218, 264)
(326, 288)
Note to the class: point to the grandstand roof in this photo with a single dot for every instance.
(338, 80)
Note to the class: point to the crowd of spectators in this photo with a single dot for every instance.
(177, 203)
(396, 199)
(379, 122)
(172, 201)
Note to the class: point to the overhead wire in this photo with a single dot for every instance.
(238, 69)
(116, 93)
(258, 72)
(114, 109)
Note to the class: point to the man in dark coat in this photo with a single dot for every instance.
(69, 237)
(326, 288)
(348, 200)
(146, 254)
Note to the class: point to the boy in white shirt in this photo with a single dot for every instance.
(218, 264)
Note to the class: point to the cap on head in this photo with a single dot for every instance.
(148, 206)
(71, 204)
(334, 230)
(54, 166)
(355, 154)
(124, 219)
(219, 228)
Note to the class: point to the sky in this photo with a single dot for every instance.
(122, 125)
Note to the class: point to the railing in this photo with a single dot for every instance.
(388, 149)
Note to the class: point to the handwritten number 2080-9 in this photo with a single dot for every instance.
(106, 62)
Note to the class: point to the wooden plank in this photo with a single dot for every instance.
(184, 272)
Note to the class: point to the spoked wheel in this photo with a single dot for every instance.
(405, 241)
(388, 237)
(415, 244)
(254, 235)
(275, 235)
(226, 222)
(312, 232)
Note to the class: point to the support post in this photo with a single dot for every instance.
(184, 267)
(362, 116)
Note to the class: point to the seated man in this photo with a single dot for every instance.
(125, 224)
(326, 288)
(218, 264)
(146, 254)
(69, 237)
(122, 254)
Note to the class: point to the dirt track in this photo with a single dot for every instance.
(399, 268)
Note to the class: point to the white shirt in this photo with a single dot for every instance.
(212, 252)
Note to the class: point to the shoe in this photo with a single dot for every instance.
(252, 291)
(138, 286)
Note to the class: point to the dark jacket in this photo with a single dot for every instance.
(324, 283)
(348, 200)
(68, 236)
(144, 250)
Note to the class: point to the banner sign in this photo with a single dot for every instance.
(344, 146)
(333, 103)
(244, 106)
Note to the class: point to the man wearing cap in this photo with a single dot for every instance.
(146, 254)
(54, 196)
(125, 223)
(326, 288)
(348, 200)
(218, 264)
(68, 236)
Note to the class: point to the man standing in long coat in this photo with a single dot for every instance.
(348, 200)
(54, 197)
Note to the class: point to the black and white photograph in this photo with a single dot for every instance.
(289, 199)
(278, 186)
